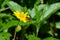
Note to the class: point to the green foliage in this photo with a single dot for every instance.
(5, 36)
(58, 13)
(49, 38)
(43, 23)
(58, 25)
(32, 37)
(1, 2)
(53, 8)
(13, 6)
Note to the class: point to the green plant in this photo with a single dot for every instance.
(37, 18)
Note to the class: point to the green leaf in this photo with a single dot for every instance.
(32, 12)
(1, 23)
(51, 10)
(32, 37)
(2, 15)
(14, 6)
(24, 9)
(46, 8)
(1, 1)
(4, 3)
(50, 33)
(58, 25)
(49, 38)
(5, 36)
(38, 10)
(58, 13)
(2, 38)
(11, 23)
(40, 7)
(37, 2)
(10, 17)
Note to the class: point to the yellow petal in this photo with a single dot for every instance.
(21, 16)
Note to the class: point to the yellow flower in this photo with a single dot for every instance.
(22, 16)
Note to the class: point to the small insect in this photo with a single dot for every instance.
(28, 18)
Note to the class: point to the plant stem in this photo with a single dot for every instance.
(14, 35)
(3, 9)
(42, 1)
(52, 31)
(37, 30)
(15, 32)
